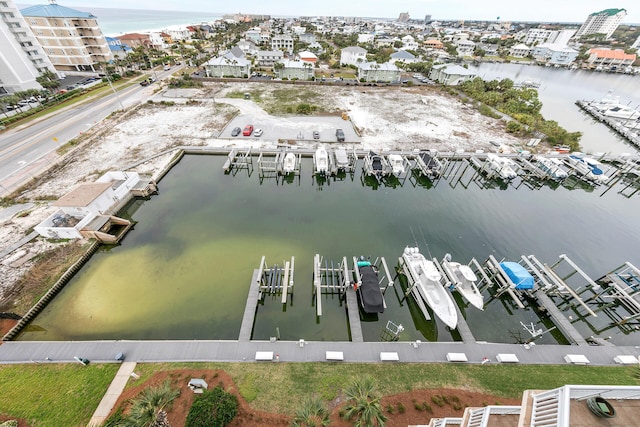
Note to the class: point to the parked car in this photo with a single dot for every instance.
(167, 67)
(257, 132)
(248, 130)
(340, 135)
(316, 134)
(235, 132)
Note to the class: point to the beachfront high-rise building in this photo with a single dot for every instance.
(603, 22)
(72, 39)
(404, 17)
(21, 56)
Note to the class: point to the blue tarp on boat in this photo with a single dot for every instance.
(518, 275)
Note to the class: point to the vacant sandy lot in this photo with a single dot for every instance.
(142, 140)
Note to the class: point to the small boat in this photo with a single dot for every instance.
(426, 278)
(321, 161)
(429, 164)
(342, 160)
(375, 165)
(551, 166)
(289, 163)
(502, 166)
(368, 289)
(464, 281)
(562, 149)
(520, 277)
(588, 167)
(396, 162)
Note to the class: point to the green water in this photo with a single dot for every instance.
(183, 272)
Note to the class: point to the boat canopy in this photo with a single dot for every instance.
(518, 275)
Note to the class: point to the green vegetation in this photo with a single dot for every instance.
(54, 395)
(523, 105)
(313, 413)
(213, 408)
(363, 403)
(283, 101)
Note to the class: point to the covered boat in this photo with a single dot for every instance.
(551, 166)
(503, 166)
(588, 167)
(342, 160)
(521, 278)
(369, 288)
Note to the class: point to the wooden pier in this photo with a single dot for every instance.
(632, 135)
(246, 328)
(354, 315)
(559, 319)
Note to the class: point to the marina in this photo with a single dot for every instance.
(272, 309)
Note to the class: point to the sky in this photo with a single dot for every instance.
(485, 10)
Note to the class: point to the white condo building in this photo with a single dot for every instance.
(603, 22)
(72, 39)
(22, 59)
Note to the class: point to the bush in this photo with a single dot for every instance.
(213, 408)
(514, 127)
(487, 111)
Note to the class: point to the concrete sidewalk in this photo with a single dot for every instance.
(113, 393)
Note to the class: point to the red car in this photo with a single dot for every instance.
(248, 130)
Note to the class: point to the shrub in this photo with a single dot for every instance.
(514, 127)
(438, 400)
(390, 409)
(401, 408)
(213, 408)
(427, 407)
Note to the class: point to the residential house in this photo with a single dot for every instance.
(433, 44)
(159, 40)
(135, 40)
(554, 54)
(269, 57)
(374, 72)
(118, 49)
(353, 55)
(403, 56)
(228, 65)
(307, 38)
(307, 56)
(283, 42)
(22, 58)
(298, 29)
(465, 47)
(71, 39)
(248, 47)
(384, 42)
(88, 210)
(366, 38)
(316, 47)
(610, 58)
(409, 43)
(253, 34)
(451, 74)
(520, 50)
(298, 70)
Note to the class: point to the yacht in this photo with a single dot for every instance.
(463, 280)
(551, 166)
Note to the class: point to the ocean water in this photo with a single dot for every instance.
(114, 22)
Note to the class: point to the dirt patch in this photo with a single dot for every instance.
(410, 408)
(21, 422)
(5, 326)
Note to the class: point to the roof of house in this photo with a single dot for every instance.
(134, 36)
(520, 46)
(82, 195)
(354, 49)
(402, 54)
(270, 53)
(386, 66)
(288, 63)
(232, 61)
(237, 52)
(454, 69)
(612, 54)
(55, 11)
(307, 54)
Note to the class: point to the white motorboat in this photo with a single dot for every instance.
(610, 106)
(463, 279)
(551, 166)
(321, 161)
(426, 278)
(503, 166)
(587, 167)
(396, 162)
(342, 160)
(289, 163)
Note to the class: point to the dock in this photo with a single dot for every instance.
(559, 319)
(248, 318)
(463, 327)
(238, 160)
(355, 327)
(618, 125)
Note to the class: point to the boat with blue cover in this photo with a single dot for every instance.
(520, 277)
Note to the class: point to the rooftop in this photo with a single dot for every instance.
(55, 11)
(610, 12)
(83, 194)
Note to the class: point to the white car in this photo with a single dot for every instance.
(257, 132)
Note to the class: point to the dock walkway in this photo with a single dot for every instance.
(463, 327)
(250, 308)
(559, 319)
(354, 315)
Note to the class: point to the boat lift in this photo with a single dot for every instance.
(385, 280)
(329, 278)
(237, 160)
(377, 170)
(503, 281)
(621, 286)
(275, 280)
(428, 164)
(339, 164)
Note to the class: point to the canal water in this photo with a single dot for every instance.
(560, 89)
(183, 271)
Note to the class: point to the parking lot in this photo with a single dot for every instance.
(298, 128)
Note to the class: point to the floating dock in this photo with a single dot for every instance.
(618, 125)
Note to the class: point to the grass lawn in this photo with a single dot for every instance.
(270, 388)
(68, 394)
(54, 395)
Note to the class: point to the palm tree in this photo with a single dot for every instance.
(312, 414)
(363, 405)
(148, 409)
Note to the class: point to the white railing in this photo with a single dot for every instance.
(480, 417)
